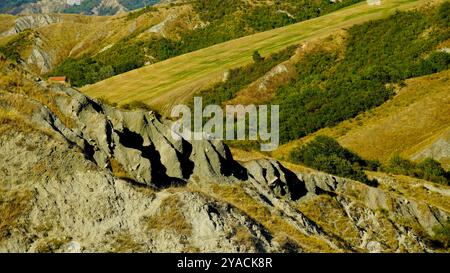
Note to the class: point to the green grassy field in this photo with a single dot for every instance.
(174, 81)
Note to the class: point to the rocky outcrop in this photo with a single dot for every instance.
(114, 6)
(72, 206)
(32, 22)
(376, 212)
(58, 6)
(40, 58)
(139, 142)
(384, 221)
(265, 80)
(438, 149)
(103, 7)
(60, 166)
(82, 176)
(160, 27)
(281, 181)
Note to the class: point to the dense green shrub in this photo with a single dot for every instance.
(122, 57)
(320, 96)
(20, 43)
(397, 164)
(329, 88)
(429, 169)
(135, 14)
(442, 234)
(267, 17)
(102, 11)
(257, 58)
(287, 12)
(326, 154)
(213, 10)
(85, 7)
(437, 61)
(443, 14)
(332, 86)
(240, 77)
(136, 105)
(135, 4)
(83, 71)
(10, 5)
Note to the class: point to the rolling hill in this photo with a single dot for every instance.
(174, 81)
(89, 7)
(88, 49)
(355, 87)
(411, 124)
(81, 176)
(43, 41)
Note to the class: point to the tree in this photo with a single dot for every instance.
(442, 234)
(399, 165)
(257, 58)
(443, 13)
(326, 154)
(429, 169)
(432, 170)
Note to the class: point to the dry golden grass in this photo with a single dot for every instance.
(13, 204)
(51, 245)
(124, 243)
(118, 170)
(6, 22)
(235, 195)
(328, 213)
(78, 34)
(11, 121)
(244, 238)
(424, 191)
(404, 125)
(174, 81)
(415, 117)
(170, 217)
(16, 83)
(244, 156)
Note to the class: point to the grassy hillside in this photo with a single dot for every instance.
(208, 22)
(412, 120)
(6, 22)
(333, 85)
(73, 36)
(175, 80)
(335, 79)
(88, 49)
(86, 6)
